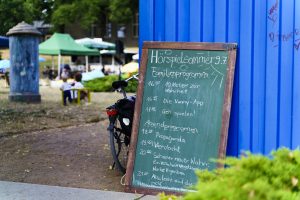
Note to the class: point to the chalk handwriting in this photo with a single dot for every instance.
(166, 112)
(153, 83)
(169, 138)
(141, 173)
(184, 102)
(167, 73)
(179, 114)
(185, 114)
(193, 164)
(158, 145)
(176, 85)
(154, 98)
(168, 127)
(147, 131)
(169, 170)
(167, 57)
(175, 91)
(195, 102)
(150, 109)
(167, 101)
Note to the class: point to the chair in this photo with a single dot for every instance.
(78, 91)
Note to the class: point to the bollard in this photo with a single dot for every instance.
(24, 65)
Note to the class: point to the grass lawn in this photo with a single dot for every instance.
(50, 113)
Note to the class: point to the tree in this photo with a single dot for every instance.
(13, 12)
(88, 12)
(122, 11)
(64, 12)
(40, 10)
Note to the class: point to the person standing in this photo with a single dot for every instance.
(66, 88)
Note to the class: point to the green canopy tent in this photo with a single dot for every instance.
(64, 45)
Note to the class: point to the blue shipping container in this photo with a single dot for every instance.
(265, 111)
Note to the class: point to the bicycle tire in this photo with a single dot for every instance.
(119, 146)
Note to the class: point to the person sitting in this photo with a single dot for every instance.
(66, 88)
(78, 85)
(6, 76)
(66, 71)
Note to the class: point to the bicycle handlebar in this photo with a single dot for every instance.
(135, 76)
(120, 85)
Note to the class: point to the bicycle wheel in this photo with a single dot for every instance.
(119, 146)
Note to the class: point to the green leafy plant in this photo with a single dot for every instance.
(251, 177)
(104, 84)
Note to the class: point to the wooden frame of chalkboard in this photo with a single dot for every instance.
(230, 50)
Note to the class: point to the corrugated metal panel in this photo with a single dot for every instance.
(296, 78)
(265, 110)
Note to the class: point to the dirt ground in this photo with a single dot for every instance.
(50, 144)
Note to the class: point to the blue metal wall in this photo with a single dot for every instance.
(266, 99)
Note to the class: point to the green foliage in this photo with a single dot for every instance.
(13, 12)
(87, 12)
(122, 11)
(104, 84)
(65, 12)
(40, 10)
(254, 177)
(62, 16)
(162, 196)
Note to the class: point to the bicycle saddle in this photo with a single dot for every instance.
(119, 84)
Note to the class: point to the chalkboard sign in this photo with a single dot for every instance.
(181, 114)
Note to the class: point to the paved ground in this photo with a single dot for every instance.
(22, 191)
(70, 157)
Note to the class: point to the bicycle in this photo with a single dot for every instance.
(120, 116)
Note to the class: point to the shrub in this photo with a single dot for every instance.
(254, 177)
(104, 84)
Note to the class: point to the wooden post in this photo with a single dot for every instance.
(89, 96)
(78, 97)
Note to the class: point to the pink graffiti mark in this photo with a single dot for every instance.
(274, 8)
(272, 14)
(285, 37)
(273, 18)
(297, 44)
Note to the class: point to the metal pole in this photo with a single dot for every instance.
(59, 58)
(52, 62)
(86, 63)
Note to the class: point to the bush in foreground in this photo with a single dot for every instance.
(104, 84)
(251, 177)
